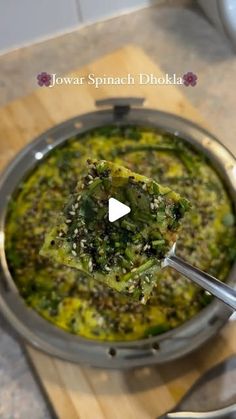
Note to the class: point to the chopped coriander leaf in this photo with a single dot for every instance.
(125, 254)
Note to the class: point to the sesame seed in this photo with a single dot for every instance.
(72, 212)
(76, 205)
(90, 266)
(76, 231)
(78, 197)
(68, 221)
(73, 253)
(74, 246)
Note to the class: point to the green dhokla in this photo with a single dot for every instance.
(125, 254)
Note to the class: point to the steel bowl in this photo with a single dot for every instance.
(55, 341)
(222, 13)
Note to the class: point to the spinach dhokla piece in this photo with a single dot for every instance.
(124, 254)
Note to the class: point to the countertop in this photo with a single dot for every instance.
(178, 37)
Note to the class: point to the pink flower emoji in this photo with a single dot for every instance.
(190, 79)
(44, 79)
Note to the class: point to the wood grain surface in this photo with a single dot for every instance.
(78, 391)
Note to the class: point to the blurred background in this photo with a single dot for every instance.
(58, 36)
(25, 22)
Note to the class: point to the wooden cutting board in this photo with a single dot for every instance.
(78, 391)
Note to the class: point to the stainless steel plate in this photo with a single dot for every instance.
(49, 338)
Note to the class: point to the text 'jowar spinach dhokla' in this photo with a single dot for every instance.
(127, 253)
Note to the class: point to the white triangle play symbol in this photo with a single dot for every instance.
(116, 210)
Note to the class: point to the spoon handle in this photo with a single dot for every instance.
(224, 413)
(211, 284)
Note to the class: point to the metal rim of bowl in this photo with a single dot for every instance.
(42, 334)
(227, 20)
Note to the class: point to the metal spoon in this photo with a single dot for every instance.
(212, 396)
(220, 290)
(224, 413)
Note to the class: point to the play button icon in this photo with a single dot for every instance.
(116, 210)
